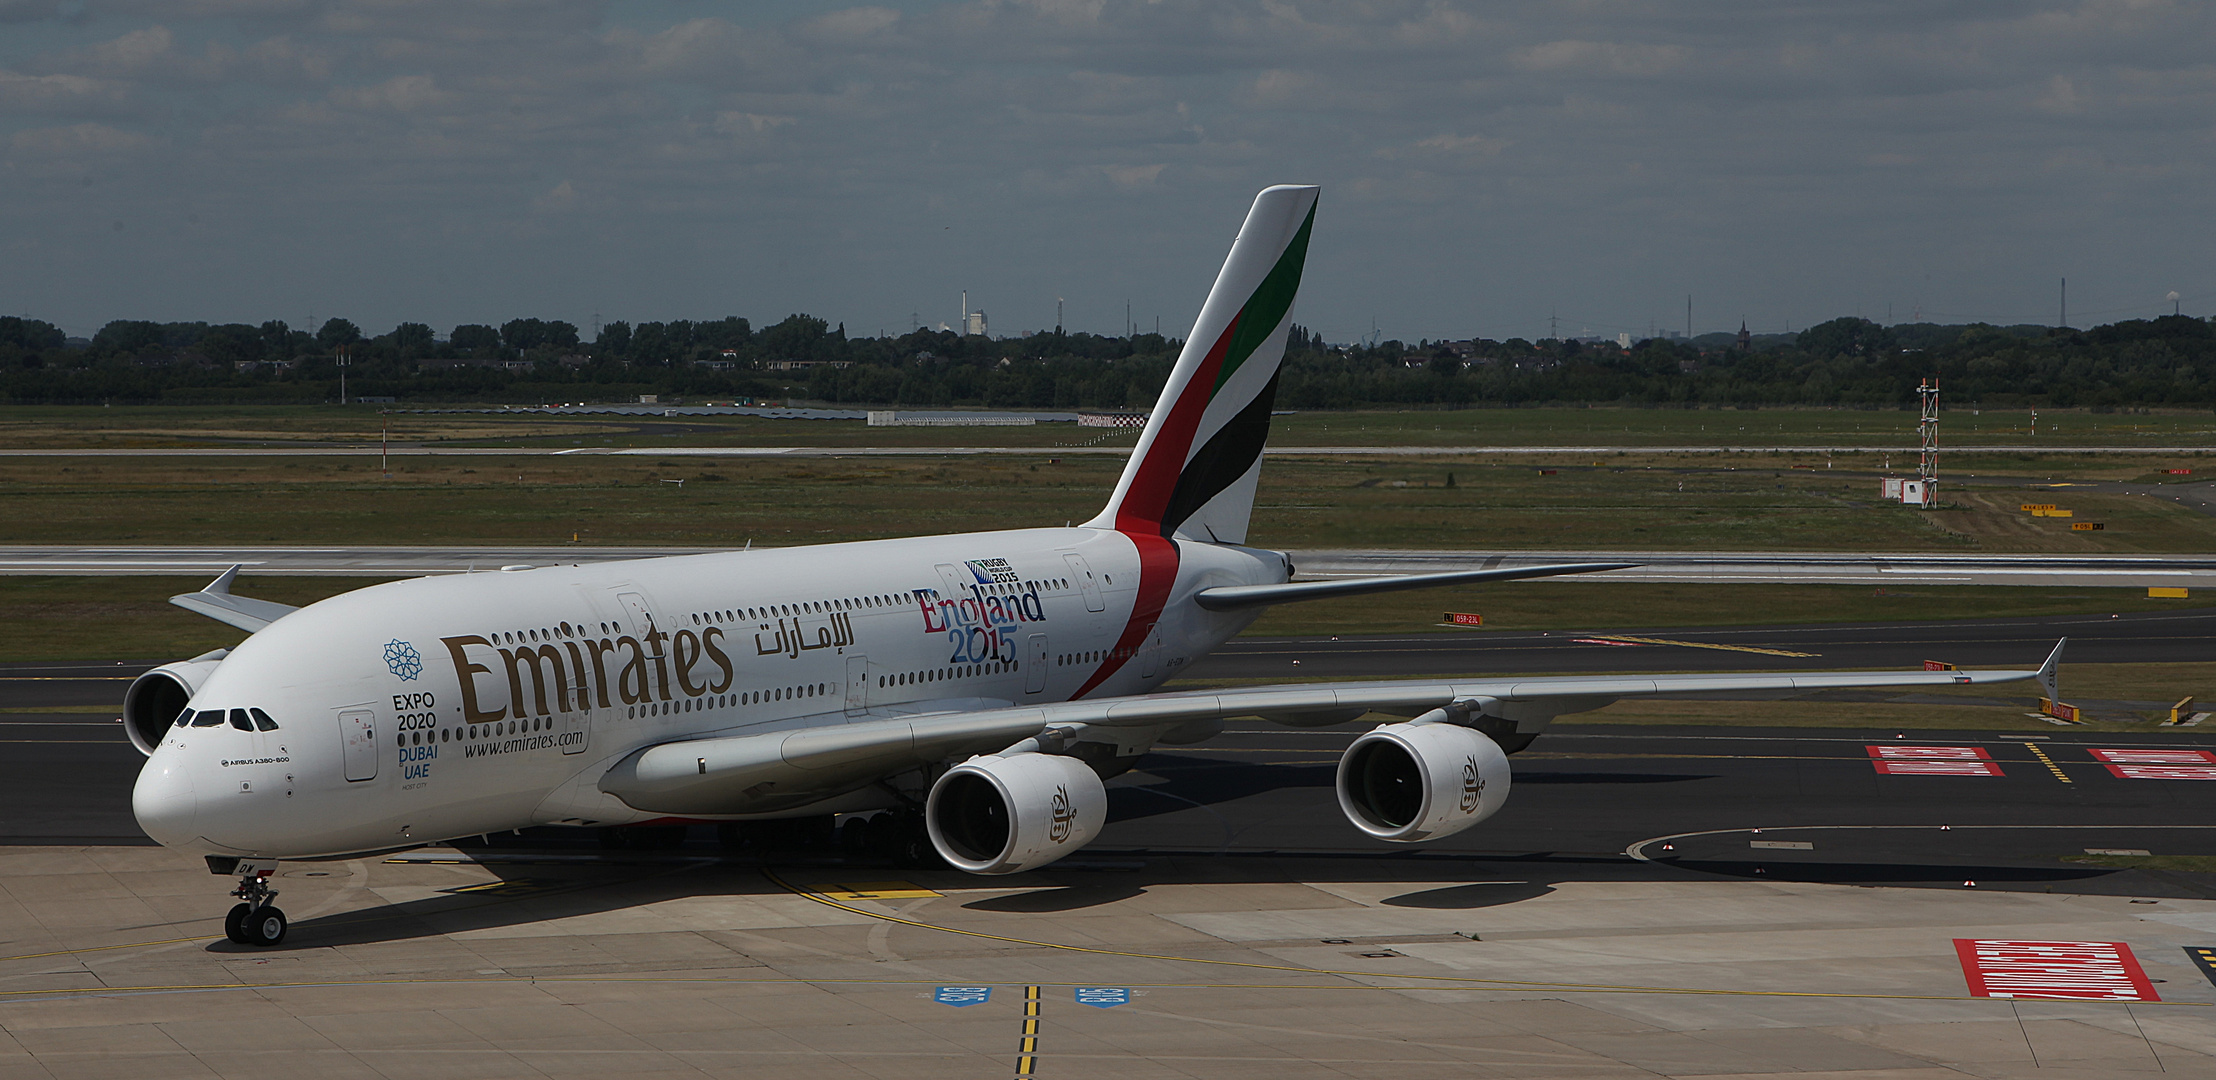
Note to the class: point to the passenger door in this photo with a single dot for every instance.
(857, 684)
(1034, 677)
(638, 616)
(358, 730)
(1082, 573)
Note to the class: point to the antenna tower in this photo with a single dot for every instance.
(1927, 431)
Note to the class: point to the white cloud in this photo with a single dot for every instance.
(47, 94)
(78, 141)
(401, 93)
(1090, 145)
(562, 198)
(1133, 175)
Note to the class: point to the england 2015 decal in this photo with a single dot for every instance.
(980, 626)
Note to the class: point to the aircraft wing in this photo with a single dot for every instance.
(1229, 597)
(216, 602)
(778, 770)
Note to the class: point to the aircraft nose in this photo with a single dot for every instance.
(164, 802)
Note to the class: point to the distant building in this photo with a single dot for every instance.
(803, 365)
(973, 324)
(1746, 340)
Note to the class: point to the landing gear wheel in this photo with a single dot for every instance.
(912, 845)
(234, 923)
(266, 927)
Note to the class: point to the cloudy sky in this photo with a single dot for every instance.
(1486, 166)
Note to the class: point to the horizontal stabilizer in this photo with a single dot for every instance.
(216, 602)
(1227, 597)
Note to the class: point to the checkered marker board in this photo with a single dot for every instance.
(1897, 760)
(2157, 764)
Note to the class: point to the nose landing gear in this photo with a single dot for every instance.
(256, 921)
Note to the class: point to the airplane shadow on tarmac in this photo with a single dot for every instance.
(551, 874)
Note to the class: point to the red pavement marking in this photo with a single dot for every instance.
(2070, 970)
(2136, 763)
(1897, 760)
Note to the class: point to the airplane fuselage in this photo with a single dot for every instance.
(419, 710)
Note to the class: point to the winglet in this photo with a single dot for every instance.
(221, 586)
(216, 602)
(2050, 672)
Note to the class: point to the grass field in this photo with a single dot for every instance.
(1688, 502)
(177, 426)
(75, 618)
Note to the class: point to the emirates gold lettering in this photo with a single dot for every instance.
(466, 671)
(685, 650)
(552, 678)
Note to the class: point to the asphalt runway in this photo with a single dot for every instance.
(1587, 788)
(1652, 901)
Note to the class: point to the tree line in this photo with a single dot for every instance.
(2168, 361)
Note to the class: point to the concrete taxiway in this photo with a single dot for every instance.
(1653, 901)
(1854, 568)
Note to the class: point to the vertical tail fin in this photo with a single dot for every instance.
(1194, 471)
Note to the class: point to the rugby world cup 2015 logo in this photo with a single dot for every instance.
(1064, 821)
(1473, 785)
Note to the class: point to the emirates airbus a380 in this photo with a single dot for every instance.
(979, 685)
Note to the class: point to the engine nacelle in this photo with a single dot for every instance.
(1004, 815)
(1410, 782)
(155, 698)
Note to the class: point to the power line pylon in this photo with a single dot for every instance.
(1927, 430)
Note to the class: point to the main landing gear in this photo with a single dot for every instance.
(257, 920)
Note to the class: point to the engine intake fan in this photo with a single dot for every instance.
(1004, 815)
(1421, 781)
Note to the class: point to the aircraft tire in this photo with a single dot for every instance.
(912, 848)
(267, 927)
(234, 924)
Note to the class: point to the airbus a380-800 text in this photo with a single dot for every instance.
(979, 685)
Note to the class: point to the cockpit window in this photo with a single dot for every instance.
(184, 718)
(262, 720)
(239, 720)
(208, 718)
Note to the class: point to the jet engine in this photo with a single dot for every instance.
(1004, 815)
(1410, 782)
(155, 698)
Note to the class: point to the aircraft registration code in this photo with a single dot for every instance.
(1896, 760)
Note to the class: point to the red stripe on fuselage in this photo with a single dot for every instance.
(1139, 515)
(1157, 572)
(1151, 486)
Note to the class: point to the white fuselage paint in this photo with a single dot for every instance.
(633, 654)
